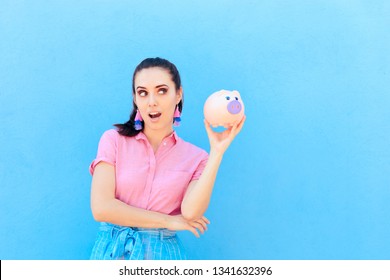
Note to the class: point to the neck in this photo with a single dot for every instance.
(155, 137)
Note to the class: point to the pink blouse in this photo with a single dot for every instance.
(148, 180)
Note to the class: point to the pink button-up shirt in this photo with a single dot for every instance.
(148, 180)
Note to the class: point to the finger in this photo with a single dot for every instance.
(207, 126)
(238, 126)
(198, 226)
(194, 231)
(231, 132)
(241, 124)
(233, 129)
(206, 220)
(203, 224)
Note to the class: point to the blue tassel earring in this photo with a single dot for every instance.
(138, 121)
(176, 117)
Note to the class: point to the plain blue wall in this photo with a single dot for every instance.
(308, 177)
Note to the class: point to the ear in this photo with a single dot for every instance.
(179, 95)
(134, 100)
(236, 92)
(222, 92)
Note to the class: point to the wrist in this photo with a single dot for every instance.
(166, 221)
(217, 154)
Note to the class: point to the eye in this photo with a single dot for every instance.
(227, 97)
(162, 91)
(236, 98)
(142, 93)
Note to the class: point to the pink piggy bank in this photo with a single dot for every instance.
(224, 108)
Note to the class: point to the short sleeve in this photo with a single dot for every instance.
(199, 170)
(106, 150)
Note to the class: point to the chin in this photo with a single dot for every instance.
(160, 126)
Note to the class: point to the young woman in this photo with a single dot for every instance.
(147, 182)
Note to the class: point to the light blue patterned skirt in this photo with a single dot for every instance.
(130, 243)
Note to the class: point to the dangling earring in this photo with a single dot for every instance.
(138, 121)
(176, 117)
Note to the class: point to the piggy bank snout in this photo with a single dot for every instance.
(234, 107)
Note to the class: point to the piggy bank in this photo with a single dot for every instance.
(224, 108)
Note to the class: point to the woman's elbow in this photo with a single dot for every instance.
(97, 217)
(191, 215)
(98, 213)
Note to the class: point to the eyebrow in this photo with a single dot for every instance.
(158, 86)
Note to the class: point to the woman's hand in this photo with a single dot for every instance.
(179, 223)
(220, 141)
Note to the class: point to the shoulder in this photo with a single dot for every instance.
(112, 137)
(191, 148)
(109, 135)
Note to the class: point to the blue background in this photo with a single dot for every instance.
(307, 178)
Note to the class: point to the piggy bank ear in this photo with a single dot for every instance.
(236, 92)
(221, 92)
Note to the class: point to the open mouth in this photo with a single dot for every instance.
(154, 115)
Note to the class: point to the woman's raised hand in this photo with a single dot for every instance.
(220, 141)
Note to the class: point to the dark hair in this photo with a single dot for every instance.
(127, 128)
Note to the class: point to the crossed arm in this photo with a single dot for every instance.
(106, 208)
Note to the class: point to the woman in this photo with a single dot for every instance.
(147, 182)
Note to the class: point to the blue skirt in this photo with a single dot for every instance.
(115, 242)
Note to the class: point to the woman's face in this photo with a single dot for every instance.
(156, 98)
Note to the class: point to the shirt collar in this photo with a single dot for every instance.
(140, 135)
(173, 136)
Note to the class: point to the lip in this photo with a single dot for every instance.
(154, 116)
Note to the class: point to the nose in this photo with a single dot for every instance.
(234, 107)
(152, 100)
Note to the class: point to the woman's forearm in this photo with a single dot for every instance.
(117, 212)
(106, 208)
(197, 197)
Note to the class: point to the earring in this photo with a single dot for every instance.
(138, 121)
(176, 117)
